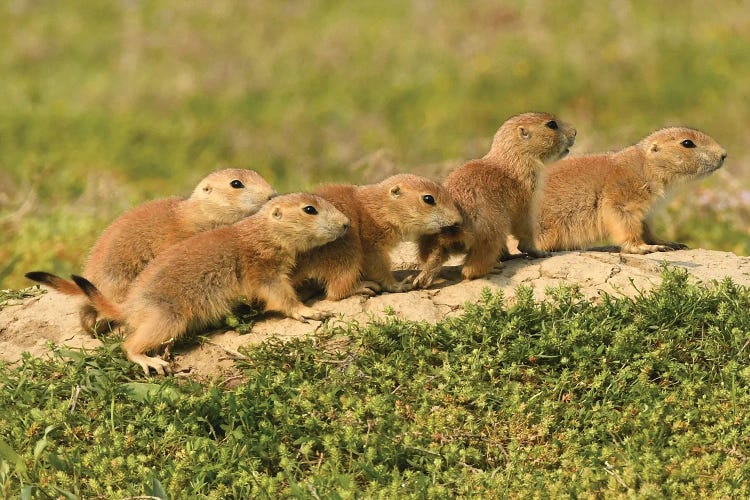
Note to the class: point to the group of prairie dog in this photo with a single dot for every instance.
(177, 265)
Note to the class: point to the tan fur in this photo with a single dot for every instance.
(381, 215)
(494, 196)
(195, 282)
(136, 237)
(608, 196)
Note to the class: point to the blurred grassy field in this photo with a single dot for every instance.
(107, 104)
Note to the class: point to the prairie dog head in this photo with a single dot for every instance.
(228, 195)
(539, 136)
(418, 206)
(303, 221)
(677, 153)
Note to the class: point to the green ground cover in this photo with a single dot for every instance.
(616, 397)
(107, 104)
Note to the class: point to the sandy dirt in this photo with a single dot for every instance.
(28, 325)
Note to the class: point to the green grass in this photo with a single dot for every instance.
(107, 104)
(619, 397)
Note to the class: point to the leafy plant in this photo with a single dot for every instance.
(638, 396)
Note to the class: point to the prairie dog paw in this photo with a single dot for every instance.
(644, 249)
(423, 280)
(531, 251)
(676, 246)
(402, 286)
(160, 366)
(304, 313)
(368, 288)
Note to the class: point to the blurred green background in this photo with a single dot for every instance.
(106, 104)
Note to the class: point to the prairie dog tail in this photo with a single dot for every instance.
(105, 307)
(57, 283)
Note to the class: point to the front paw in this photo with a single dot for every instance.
(423, 280)
(369, 288)
(533, 252)
(304, 313)
(676, 246)
(537, 254)
(426, 278)
(645, 248)
(160, 366)
(402, 286)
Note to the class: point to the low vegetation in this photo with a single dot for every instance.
(611, 397)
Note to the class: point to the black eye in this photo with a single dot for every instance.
(428, 199)
(688, 143)
(236, 184)
(552, 124)
(310, 210)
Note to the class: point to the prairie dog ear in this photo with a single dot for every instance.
(207, 189)
(654, 147)
(396, 191)
(523, 133)
(276, 213)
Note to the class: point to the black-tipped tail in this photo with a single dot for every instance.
(54, 282)
(88, 287)
(41, 277)
(103, 305)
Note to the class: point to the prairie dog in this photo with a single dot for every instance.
(196, 281)
(402, 207)
(589, 198)
(133, 239)
(494, 195)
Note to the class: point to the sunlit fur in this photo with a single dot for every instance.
(382, 215)
(195, 282)
(607, 196)
(125, 247)
(494, 195)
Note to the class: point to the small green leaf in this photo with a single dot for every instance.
(39, 447)
(157, 490)
(57, 462)
(26, 493)
(144, 391)
(67, 494)
(11, 456)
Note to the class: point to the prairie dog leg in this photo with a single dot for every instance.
(527, 245)
(281, 297)
(626, 228)
(153, 332)
(369, 288)
(92, 323)
(650, 239)
(344, 284)
(529, 248)
(482, 259)
(433, 255)
(378, 269)
(548, 239)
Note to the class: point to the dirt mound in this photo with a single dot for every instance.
(29, 324)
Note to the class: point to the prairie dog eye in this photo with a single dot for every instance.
(552, 124)
(687, 143)
(237, 184)
(310, 210)
(428, 199)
